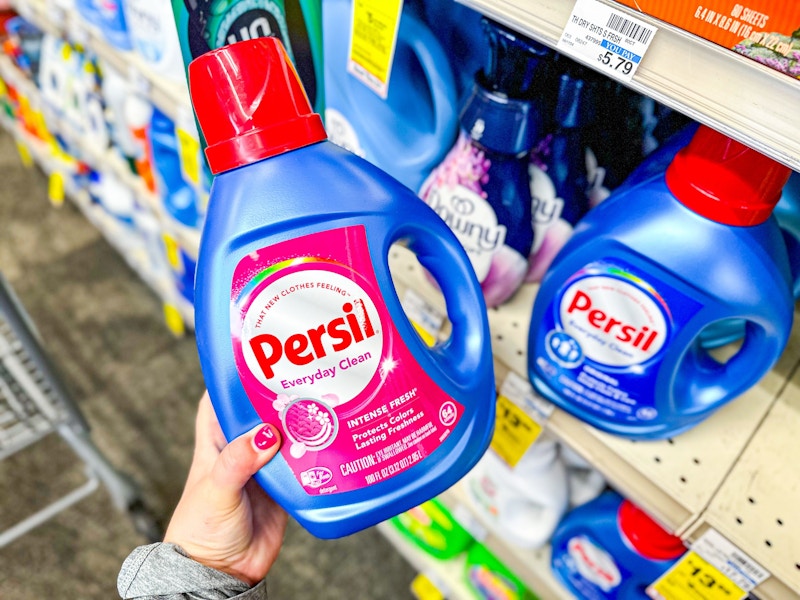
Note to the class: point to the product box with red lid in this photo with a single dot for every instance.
(767, 31)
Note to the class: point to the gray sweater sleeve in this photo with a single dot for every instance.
(165, 572)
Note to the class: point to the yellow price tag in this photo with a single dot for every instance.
(424, 589)
(426, 335)
(24, 154)
(173, 252)
(174, 320)
(55, 189)
(40, 127)
(189, 152)
(372, 44)
(694, 578)
(514, 431)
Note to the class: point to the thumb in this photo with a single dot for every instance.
(243, 457)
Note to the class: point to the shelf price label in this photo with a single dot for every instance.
(172, 250)
(610, 40)
(521, 416)
(24, 154)
(514, 431)
(372, 42)
(714, 569)
(424, 588)
(174, 320)
(55, 189)
(189, 150)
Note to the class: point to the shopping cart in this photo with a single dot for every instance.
(33, 404)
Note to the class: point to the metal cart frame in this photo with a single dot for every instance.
(34, 403)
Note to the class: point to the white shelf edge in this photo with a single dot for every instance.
(707, 82)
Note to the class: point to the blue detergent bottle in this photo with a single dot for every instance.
(609, 549)
(298, 322)
(787, 213)
(481, 189)
(179, 197)
(558, 175)
(409, 132)
(614, 334)
(111, 21)
(458, 28)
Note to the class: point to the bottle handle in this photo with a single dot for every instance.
(468, 347)
(707, 381)
(441, 83)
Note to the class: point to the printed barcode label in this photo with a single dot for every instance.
(606, 39)
(629, 28)
(735, 564)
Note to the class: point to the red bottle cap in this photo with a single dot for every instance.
(725, 181)
(250, 104)
(646, 536)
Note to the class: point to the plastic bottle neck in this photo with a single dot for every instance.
(500, 123)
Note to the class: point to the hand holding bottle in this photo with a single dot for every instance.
(224, 520)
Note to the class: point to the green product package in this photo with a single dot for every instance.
(489, 579)
(431, 527)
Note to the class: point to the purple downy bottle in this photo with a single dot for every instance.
(481, 189)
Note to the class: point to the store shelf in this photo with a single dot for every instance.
(673, 480)
(704, 81)
(757, 506)
(446, 575)
(170, 97)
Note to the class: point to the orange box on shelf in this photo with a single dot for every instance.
(767, 31)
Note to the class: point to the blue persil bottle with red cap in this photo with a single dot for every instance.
(297, 318)
(615, 329)
(609, 549)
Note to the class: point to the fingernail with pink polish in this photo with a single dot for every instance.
(265, 438)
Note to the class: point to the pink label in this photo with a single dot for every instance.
(320, 358)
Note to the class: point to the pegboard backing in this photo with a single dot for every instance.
(757, 506)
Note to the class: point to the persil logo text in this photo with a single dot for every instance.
(593, 563)
(313, 333)
(304, 347)
(615, 322)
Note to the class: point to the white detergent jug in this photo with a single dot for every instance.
(585, 482)
(523, 504)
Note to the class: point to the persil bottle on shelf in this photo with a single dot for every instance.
(609, 549)
(298, 321)
(614, 336)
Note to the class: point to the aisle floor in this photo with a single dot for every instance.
(138, 387)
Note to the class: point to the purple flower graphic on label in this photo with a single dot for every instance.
(310, 425)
